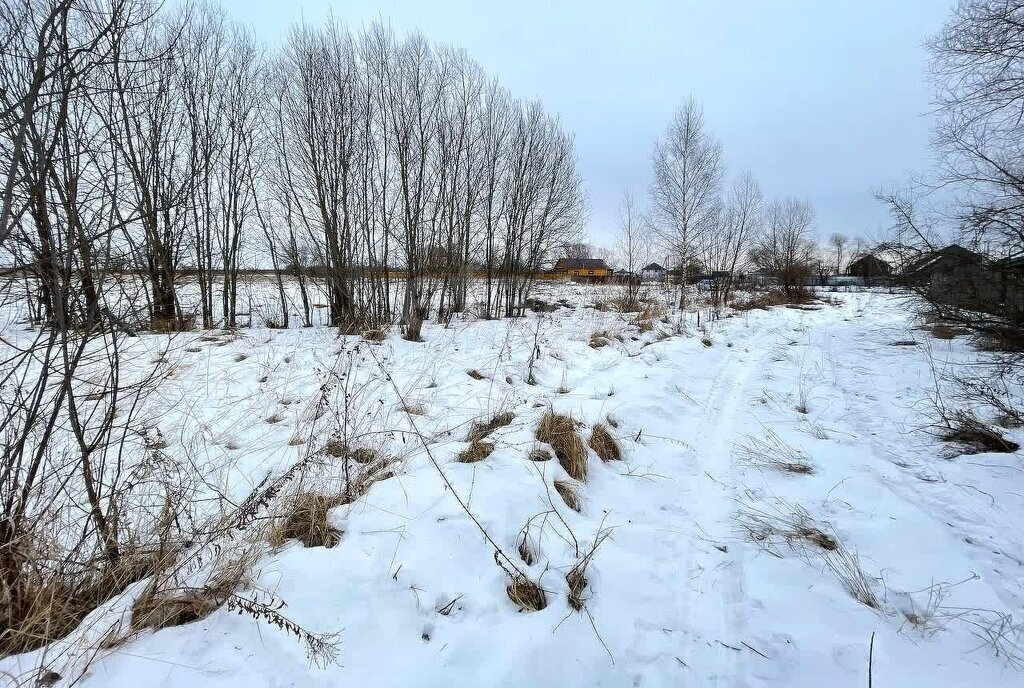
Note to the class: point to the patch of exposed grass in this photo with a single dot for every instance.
(156, 609)
(568, 492)
(477, 451)
(605, 444)
(976, 436)
(479, 431)
(539, 454)
(770, 452)
(526, 594)
(576, 579)
(559, 431)
(41, 605)
(306, 520)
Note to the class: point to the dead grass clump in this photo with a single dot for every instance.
(41, 606)
(600, 338)
(335, 447)
(815, 536)
(182, 324)
(307, 521)
(479, 431)
(793, 525)
(539, 454)
(475, 374)
(156, 609)
(526, 594)
(976, 436)
(788, 523)
(764, 300)
(559, 431)
(845, 565)
(477, 451)
(605, 444)
(567, 491)
(770, 452)
(651, 312)
(576, 579)
(525, 549)
(363, 455)
(943, 331)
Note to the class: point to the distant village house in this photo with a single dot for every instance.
(587, 270)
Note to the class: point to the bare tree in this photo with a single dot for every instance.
(634, 249)
(838, 243)
(726, 246)
(786, 249)
(686, 194)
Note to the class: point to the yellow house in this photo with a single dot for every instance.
(593, 270)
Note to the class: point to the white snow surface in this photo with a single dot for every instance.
(678, 594)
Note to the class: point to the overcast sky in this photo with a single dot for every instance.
(821, 99)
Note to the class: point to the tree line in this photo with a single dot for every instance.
(172, 143)
(704, 228)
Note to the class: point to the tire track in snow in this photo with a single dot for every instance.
(718, 609)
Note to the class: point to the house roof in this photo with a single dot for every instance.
(654, 266)
(580, 263)
(867, 257)
(952, 252)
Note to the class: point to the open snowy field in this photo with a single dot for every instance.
(779, 507)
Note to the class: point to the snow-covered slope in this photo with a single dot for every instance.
(717, 569)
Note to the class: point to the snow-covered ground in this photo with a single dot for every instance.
(717, 568)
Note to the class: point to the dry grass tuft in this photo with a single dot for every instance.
(605, 444)
(539, 454)
(844, 564)
(600, 338)
(479, 431)
(559, 431)
(976, 436)
(477, 451)
(772, 297)
(576, 579)
(338, 449)
(375, 335)
(363, 455)
(770, 452)
(789, 523)
(307, 521)
(156, 609)
(943, 331)
(525, 549)
(42, 606)
(526, 594)
(414, 409)
(568, 492)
